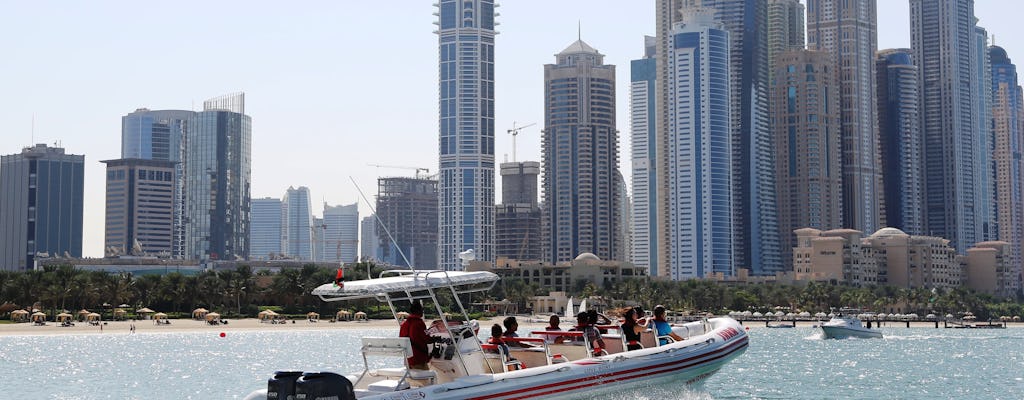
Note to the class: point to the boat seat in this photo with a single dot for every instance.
(417, 374)
(387, 385)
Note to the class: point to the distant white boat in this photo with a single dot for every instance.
(569, 313)
(841, 327)
(583, 306)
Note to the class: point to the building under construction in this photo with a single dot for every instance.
(517, 221)
(407, 207)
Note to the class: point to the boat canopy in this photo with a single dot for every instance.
(407, 282)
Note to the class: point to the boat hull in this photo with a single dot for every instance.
(842, 332)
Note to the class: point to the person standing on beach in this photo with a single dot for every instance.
(414, 329)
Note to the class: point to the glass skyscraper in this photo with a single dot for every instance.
(340, 239)
(642, 94)
(265, 233)
(1007, 111)
(298, 223)
(140, 207)
(466, 146)
(899, 128)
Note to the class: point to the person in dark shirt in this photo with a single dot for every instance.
(590, 333)
(414, 329)
(511, 325)
(631, 330)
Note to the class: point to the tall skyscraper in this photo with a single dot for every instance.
(340, 241)
(160, 135)
(140, 207)
(298, 223)
(369, 243)
(266, 233)
(899, 128)
(981, 91)
(846, 29)
(517, 219)
(642, 94)
(408, 210)
(699, 189)
(217, 180)
(466, 86)
(805, 116)
(1007, 111)
(785, 29)
(945, 51)
(580, 152)
(41, 197)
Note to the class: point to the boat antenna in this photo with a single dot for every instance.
(381, 222)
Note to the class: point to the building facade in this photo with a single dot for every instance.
(218, 180)
(517, 223)
(568, 276)
(785, 29)
(466, 86)
(1007, 111)
(900, 133)
(369, 243)
(981, 89)
(298, 224)
(266, 233)
(580, 152)
(988, 269)
(642, 93)
(805, 117)
(408, 208)
(140, 205)
(41, 200)
(340, 241)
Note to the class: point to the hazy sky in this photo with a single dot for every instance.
(331, 86)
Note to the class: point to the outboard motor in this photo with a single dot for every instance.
(282, 385)
(323, 386)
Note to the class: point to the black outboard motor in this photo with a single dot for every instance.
(323, 386)
(282, 385)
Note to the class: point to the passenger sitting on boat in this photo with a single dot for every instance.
(631, 329)
(590, 333)
(553, 326)
(414, 329)
(662, 327)
(511, 325)
(498, 339)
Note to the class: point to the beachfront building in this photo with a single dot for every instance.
(1007, 111)
(297, 223)
(466, 88)
(218, 180)
(566, 276)
(644, 211)
(140, 205)
(899, 128)
(988, 269)
(340, 239)
(517, 221)
(266, 232)
(41, 199)
(837, 256)
(408, 209)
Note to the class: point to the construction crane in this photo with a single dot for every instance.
(515, 132)
(426, 171)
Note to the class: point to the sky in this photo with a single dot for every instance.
(333, 87)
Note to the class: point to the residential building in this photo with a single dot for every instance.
(340, 241)
(140, 205)
(642, 111)
(1007, 111)
(466, 88)
(266, 235)
(408, 212)
(805, 117)
(517, 223)
(41, 197)
(900, 133)
(847, 30)
(298, 224)
(785, 29)
(988, 269)
(580, 156)
(369, 243)
(218, 171)
(317, 238)
(981, 90)
(568, 276)
(912, 261)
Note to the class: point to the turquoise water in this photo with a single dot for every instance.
(909, 363)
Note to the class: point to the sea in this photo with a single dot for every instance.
(795, 363)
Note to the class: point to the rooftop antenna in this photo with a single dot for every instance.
(579, 29)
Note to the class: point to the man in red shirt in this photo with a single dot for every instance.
(414, 329)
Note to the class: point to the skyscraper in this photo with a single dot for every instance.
(580, 152)
(1007, 111)
(340, 242)
(41, 200)
(642, 111)
(266, 233)
(699, 189)
(466, 86)
(846, 29)
(408, 210)
(298, 223)
(369, 243)
(140, 207)
(944, 50)
(899, 128)
(981, 91)
(785, 28)
(218, 179)
(805, 116)
(517, 220)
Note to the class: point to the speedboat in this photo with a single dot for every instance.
(462, 367)
(841, 327)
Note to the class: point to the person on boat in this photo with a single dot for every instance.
(590, 333)
(662, 327)
(414, 329)
(553, 326)
(631, 329)
(511, 325)
(498, 339)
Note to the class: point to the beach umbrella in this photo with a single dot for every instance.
(360, 316)
(343, 315)
(92, 317)
(1016, 318)
(144, 311)
(18, 315)
(123, 306)
(312, 315)
(199, 313)
(159, 316)
(63, 317)
(212, 316)
(747, 313)
(38, 316)
(402, 314)
(758, 315)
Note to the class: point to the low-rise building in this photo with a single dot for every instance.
(988, 270)
(566, 275)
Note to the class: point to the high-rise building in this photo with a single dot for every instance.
(407, 208)
(218, 179)
(900, 134)
(805, 116)
(785, 29)
(944, 50)
(466, 87)
(140, 207)
(41, 197)
(266, 232)
(580, 152)
(981, 91)
(369, 243)
(642, 93)
(340, 241)
(517, 220)
(317, 235)
(298, 223)
(699, 189)
(846, 29)
(1007, 111)
(160, 135)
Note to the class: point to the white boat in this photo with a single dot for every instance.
(842, 327)
(461, 367)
